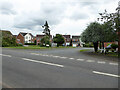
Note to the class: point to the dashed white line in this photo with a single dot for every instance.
(71, 58)
(63, 57)
(107, 74)
(80, 59)
(53, 64)
(6, 55)
(90, 61)
(113, 63)
(101, 62)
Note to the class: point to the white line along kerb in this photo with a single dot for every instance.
(53, 64)
(107, 74)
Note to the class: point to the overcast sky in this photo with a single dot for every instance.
(63, 16)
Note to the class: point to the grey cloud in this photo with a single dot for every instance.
(53, 13)
(7, 8)
(29, 24)
(79, 15)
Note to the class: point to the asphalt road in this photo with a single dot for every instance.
(57, 68)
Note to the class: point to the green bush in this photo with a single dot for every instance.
(19, 45)
(114, 46)
(88, 45)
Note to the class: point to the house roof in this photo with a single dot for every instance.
(66, 36)
(41, 35)
(75, 36)
(25, 34)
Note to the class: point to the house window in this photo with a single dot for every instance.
(26, 37)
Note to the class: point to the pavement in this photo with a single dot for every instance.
(57, 68)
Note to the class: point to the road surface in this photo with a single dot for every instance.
(57, 68)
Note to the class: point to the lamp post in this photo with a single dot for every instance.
(118, 27)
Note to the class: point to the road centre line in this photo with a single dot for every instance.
(53, 64)
(71, 58)
(113, 63)
(63, 57)
(90, 61)
(56, 56)
(80, 59)
(107, 74)
(6, 55)
(102, 62)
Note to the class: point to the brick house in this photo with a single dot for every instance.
(39, 37)
(75, 41)
(67, 40)
(23, 38)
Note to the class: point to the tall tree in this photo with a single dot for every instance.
(114, 19)
(46, 29)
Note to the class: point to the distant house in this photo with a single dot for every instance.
(40, 36)
(67, 40)
(75, 41)
(23, 38)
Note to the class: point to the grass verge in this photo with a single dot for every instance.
(83, 50)
(36, 47)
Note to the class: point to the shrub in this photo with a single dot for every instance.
(114, 46)
(88, 45)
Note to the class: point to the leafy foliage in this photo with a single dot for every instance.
(58, 39)
(92, 33)
(45, 40)
(7, 39)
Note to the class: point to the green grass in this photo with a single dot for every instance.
(36, 47)
(83, 50)
(112, 54)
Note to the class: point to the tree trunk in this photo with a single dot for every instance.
(103, 45)
(100, 44)
(95, 46)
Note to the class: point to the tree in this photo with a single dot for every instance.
(58, 39)
(92, 34)
(46, 29)
(45, 40)
(96, 32)
(114, 19)
(7, 39)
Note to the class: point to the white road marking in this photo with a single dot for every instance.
(35, 53)
(90, 61)
(6, 55)
(56, 56)
(113, 63)
(53, 64)
(47, 55)
(63, 57)
(71, 58)
(107, 74)
(80, 59)
(101, 62)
